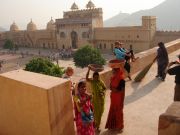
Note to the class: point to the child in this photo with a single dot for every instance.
(83, 111)
(67, 75)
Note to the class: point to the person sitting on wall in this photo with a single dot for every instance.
(130, 53)
(122, 54)
(175, 71)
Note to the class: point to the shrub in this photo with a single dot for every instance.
(8, 44)
(44, 66)
(88, 55)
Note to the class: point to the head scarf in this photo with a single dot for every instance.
(116, 78)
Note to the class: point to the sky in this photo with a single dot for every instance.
(21, 11)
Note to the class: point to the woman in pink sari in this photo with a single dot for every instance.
(83, 111)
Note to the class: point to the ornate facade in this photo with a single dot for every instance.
(79, 27)
(31, 37)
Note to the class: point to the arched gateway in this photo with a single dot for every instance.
(74, 39)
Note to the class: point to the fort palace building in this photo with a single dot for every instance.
(80, 27)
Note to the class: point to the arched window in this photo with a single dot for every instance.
(100, 46)
(104, 46)
(62, 35)
(44, 45)
(53, 45)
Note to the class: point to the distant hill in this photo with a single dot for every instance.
(2, 29)
(167, 13)
(114, 21)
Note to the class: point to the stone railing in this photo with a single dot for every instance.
(145, 58)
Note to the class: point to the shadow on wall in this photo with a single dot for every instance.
(141, 92)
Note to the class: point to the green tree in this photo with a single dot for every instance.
(8, 44)
(44, 66)
(88, 55)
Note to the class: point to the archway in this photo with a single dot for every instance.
(74, 39)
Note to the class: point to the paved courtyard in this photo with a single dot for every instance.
(15, 61)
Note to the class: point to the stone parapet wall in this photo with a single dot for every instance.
(169, 122)
(145, 58)
(165, 36)
(35, 104)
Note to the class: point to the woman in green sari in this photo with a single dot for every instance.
(98, 92)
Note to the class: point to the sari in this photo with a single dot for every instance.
(98, 100)
(83, 115)
(115, 116)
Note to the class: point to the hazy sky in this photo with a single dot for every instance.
(21, 11)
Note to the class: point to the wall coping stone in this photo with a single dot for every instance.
(35, 79)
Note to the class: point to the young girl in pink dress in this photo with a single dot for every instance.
(83, 111)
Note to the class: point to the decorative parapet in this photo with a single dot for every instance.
(171, 32)
(82, 12)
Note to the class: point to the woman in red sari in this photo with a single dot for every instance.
(83, 111)
(117, 87)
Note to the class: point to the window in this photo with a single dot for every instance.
(53, 45)
(84, 24)
(104, 46)
(100, 46)
(84, 35)
(44, 45)
(62, 35)
(62, 25)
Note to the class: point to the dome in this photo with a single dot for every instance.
(74, 6)
(51, 25)
(14, 27)
(90, 5)
(31, 26)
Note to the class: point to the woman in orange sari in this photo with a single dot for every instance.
(117, 87)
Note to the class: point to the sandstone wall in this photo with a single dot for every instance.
(35, 104)
(169, 122)
(145, 58)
